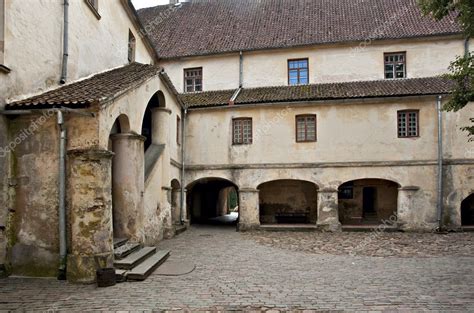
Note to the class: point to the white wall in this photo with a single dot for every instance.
(336, 63)
(357, 132)
(33, 43)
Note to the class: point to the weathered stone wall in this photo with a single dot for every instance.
(33, 230)
(4, 198)
(287, 197)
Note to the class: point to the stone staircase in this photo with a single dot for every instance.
(134, 262)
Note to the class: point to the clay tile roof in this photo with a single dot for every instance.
(83, 93)
(330, 91)
(205, 27)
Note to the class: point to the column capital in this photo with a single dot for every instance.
(129, 136)
(249, 190)
(159, 109)
(327, 190)
(93, 154)
(409, 188)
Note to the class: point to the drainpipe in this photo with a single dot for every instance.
(440, 162)
(65, 43)
(62, 197)
(241, 69)
(183, 153)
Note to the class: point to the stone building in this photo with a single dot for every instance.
(118, 123)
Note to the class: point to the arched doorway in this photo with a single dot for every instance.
(288, 202)
(175, 201)
(467, 211)
(120, 126)
(367, 201)
(213, 201)
(156, 101)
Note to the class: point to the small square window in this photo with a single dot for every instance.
(395, 66)
(408, 124)
(305, 128)
(193, 79)
(242, 131)
(298, 72)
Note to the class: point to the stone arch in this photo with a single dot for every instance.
(121, 125)
(288, 201)
(127, 180)
(368, 201)
(158, 100)
(175, 201)
(209, 201)
(467, 211)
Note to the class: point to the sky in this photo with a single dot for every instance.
(148, 3)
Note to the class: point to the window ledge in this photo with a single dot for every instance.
(93, 9)
(4, 69)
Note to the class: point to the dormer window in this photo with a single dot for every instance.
(193, 79)
(298, 72)
(131, 47)
(395, 65)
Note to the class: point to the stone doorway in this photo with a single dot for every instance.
(213, 201)
(467, 211)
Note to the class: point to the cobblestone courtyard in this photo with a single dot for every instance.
(236, 271)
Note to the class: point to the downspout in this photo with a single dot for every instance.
(183, 154)
(241, 69)
(62, 197)
(440, 163)
(65, 43)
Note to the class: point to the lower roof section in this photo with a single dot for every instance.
(328, 91)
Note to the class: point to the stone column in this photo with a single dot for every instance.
(90, 214)
(128, 186)
(328, 210)
(175, 205)
(405, 205)
(160, 125)
(249, 213)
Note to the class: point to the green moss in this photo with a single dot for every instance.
(34, 269)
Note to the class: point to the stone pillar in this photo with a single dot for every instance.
(184, 207)
(175, 205)
(160, 125)
(128, 186)
(405, 205)
(249, 213)
(328, 210)
(90, 214)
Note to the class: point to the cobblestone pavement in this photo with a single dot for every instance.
(235, 272)
(376, 243)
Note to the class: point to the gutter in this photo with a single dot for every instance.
(440, 163)
(62, 81)
(466, 47)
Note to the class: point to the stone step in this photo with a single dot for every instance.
(126, 249)
(179, 229)
(144, 269)
(119, 242)
(120, 275)
(134, 258)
